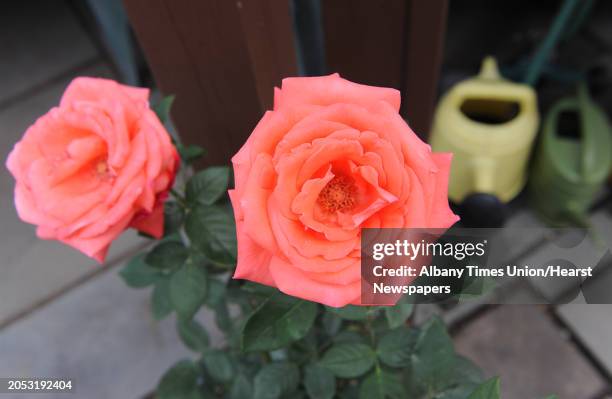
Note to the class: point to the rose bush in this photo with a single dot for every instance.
(98, 163)
(331, 158)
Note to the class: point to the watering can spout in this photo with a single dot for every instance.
(489, 70)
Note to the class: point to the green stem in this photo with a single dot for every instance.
(179, 198)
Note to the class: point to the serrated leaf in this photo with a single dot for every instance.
(381, 385)
(162, 108)
(137, 274)
(216, 292)
(219, 365)
(188, 287)
(398, 314)
(459, 384)
(160, 300)
(276, 379)
(347, 336)
(348, 360)
(320, 383)
(351, 312)
(280, 320)
(241, 388)
(434, 358)
(223, 317)
(190, 153)
(180, 382)
(212, 230)
(208, 185)
(167, 256)
(193, 335)
(487, 390)
(331, 323)
(396, 346)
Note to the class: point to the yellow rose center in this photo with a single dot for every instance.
(101, 167)
(339, 194)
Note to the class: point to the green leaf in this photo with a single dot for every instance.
(167, 256)
(173, 217)
(216, 292)
(137, 274)
(219, 365)
(351, 312)
(208, 185)
(348, 360)
(193, 334)
(396, 346)
(348, 336)
(190, 153)
(487, 390)
(331, 323)
(212, 230)
(223, 317)
(398, 314)
(162, 108)
(320, 383)
(459, 384)
(241, 388)
(433, 358)
(160, 302)
(380, 385)
(188, 287)
(180, 382)
(280, 320)
(275, 380)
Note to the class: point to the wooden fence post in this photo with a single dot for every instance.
(393, 43)
(221, 59)
(424, 49)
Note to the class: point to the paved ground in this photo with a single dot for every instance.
(62, 315)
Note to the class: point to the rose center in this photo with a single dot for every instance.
(339, 194)
(101, 167)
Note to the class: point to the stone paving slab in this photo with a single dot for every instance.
(592, 325)
(39, 40)
(581, 256)
(101, 335)
(528, 351)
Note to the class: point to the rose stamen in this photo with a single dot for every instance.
(101, 167)
(338, 195)
(102, 171)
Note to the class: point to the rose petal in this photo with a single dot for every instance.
(332, 89)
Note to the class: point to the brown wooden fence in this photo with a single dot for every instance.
(222, 58)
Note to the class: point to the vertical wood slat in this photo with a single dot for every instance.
(220, 58)
(393, 43)
(269, 34)
(426, 29)
(364, 40)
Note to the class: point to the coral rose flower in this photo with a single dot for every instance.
(98, 163)
(331, 158)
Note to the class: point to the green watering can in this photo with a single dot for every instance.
(572, 160)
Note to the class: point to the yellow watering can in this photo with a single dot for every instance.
(489, 124)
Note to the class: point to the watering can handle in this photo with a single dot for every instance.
(584, 100)
(480, 88)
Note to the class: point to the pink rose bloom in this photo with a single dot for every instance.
(98, 163)
(331, 158)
